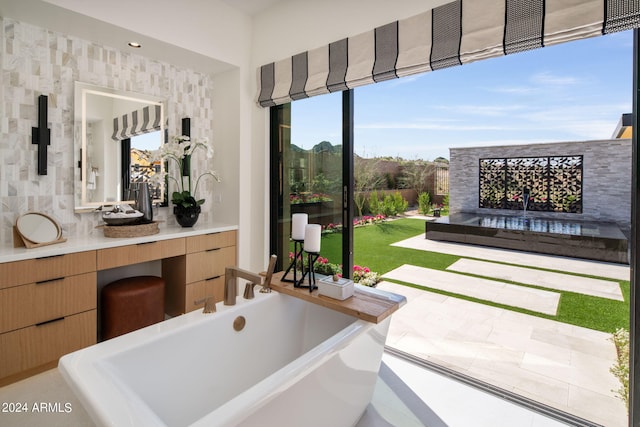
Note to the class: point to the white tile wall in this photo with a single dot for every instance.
(35, 61)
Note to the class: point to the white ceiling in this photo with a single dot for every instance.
(66, 20)
(251, 7)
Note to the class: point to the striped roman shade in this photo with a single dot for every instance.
(452, 34)
(137, 122)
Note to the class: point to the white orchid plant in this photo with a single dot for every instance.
(176, 151)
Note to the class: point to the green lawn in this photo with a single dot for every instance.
(372, 249)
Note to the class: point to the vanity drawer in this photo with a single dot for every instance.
(197, 293)
(26, 305)
(142, 252)
(38, 269)
(209, 264)
(30, 347)
(211, 241)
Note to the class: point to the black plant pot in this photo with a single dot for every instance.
(186, 217)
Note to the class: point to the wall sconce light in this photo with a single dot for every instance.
(41, 135)
(186, 131)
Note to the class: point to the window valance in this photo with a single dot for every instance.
(137, 122)
(452, 34)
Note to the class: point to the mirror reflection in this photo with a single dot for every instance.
(114, 134)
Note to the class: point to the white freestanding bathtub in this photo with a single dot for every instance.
(294, 364)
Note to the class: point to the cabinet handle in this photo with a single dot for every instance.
(212, 278)
(145, 243)
(48, 257)
(49, 321)
(214, 233)
(42, 282)
(212, 249)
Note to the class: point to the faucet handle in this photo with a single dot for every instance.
(209, 305)
(248, 291)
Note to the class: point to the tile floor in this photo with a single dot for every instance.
(553, 363)
(503, 293)
(547, 279)
(570, 265)
(409, 396)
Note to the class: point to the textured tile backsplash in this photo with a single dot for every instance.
(37, 61)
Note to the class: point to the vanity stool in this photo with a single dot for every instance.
(131, 303)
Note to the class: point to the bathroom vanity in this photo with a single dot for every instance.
(49, 295)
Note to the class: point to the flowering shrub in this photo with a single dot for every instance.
(331, 228)
(366, 220)
(364, 276)
(361, 275)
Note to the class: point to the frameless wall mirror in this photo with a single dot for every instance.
(115, 132)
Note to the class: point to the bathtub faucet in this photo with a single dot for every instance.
(231, 274)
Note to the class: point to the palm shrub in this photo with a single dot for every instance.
(423, 203)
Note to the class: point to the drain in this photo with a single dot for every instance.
(239, 323)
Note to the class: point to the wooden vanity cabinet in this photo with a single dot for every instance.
(141, 252)
(191, 279)
(48, 305)
(47, 309)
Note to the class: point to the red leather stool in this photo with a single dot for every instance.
(131, 303)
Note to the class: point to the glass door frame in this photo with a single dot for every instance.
(276, 177)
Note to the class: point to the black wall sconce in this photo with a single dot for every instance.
(41, 135)
(186, 131)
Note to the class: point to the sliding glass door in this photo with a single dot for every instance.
(310, 174)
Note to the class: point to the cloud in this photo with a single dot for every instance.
(549, 79)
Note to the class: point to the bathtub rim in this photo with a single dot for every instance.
(83, 370)
(87, 370)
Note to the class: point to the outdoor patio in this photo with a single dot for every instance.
(554, 363)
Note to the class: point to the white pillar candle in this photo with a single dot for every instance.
(298, 223)
(312, 238)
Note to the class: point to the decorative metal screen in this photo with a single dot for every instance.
(551, 183)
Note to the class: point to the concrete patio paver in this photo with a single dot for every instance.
(490, 290)
(571, 265)
(558, 364)
(546, 279)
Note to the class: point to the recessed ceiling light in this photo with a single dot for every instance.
(135, 45)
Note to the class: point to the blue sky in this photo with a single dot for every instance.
(571, 92)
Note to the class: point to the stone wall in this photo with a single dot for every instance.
(35, 61)
(606, 187)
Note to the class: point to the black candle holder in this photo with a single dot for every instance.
(298, 249)
(311, 259)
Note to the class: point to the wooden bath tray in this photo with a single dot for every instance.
(367, 304)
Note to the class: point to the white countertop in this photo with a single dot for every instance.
(96, 240)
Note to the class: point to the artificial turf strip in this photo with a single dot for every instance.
(372, 249)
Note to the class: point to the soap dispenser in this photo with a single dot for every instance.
(143, 202)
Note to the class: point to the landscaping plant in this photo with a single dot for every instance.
(423, 203)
